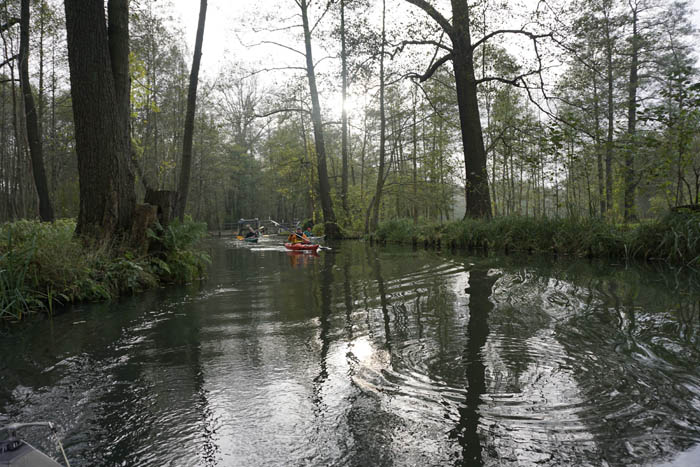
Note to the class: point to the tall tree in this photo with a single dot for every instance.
(107, 196)
(186, 167)
(377, 203)
(632, 113)
(331, 227)
(344, 116)
(461, 54)
(33, 135)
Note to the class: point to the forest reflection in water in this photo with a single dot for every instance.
(373, 356)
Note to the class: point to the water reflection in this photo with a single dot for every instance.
(466, 431)
(361, 356)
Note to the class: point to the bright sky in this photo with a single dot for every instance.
(222, 41)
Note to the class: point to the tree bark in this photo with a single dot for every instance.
(107, 196)
(33, 136)
(186, 167)
(331, 227)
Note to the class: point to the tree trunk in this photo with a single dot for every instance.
(33, 137)
(107, 196)
(331, 228)
(611, 121)
(382, 129)
(477, 185)
(599, 155)
(344, 118)
(186, 167)
(631, 123)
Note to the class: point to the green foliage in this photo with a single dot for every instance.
(43, 264)
(181, 261)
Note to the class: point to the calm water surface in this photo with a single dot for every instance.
(371, 357)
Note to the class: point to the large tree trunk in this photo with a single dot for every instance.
(331, 228)
(382, 129)
(477, 185)
(631, 123)
(33, 136)
(107, 197)
(184, 181)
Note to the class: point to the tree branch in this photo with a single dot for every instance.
(279, 111)
(433, 68)
(403, 44)
(488, 36)
(14, 57)
(292, 49)
(433, 13)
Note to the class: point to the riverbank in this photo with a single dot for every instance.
(674, 238)
(43, 265)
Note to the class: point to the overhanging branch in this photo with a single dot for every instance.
(433, 68)
(433, 13)
(529, 34)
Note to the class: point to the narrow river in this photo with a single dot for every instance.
(365, 356)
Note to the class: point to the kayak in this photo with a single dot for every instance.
(301, 246)
(251, 239)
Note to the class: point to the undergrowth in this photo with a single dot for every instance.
(674, 238)
(43, 265)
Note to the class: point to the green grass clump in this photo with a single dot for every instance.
(44, 264)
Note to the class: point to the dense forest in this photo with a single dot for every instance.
(371, 111)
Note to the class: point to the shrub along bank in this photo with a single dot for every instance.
(674, 238)
(43, 265)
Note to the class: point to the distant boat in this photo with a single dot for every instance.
(15, 452)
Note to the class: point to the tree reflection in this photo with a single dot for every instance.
(466, 431)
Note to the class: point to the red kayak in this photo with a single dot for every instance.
(300, 246)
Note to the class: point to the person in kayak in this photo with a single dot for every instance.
(307, 232)
(297, 237)
(251, 232)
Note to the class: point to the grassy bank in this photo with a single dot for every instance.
(674, 238)
(43, 265)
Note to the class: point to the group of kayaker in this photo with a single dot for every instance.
(300, 236)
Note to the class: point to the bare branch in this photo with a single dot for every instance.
(264, 70)
(328, 6)
(14, 57)
(433, 68)
(529, 34)
(292, 49)
(403, 44)
(433, 13)
(278, 111)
